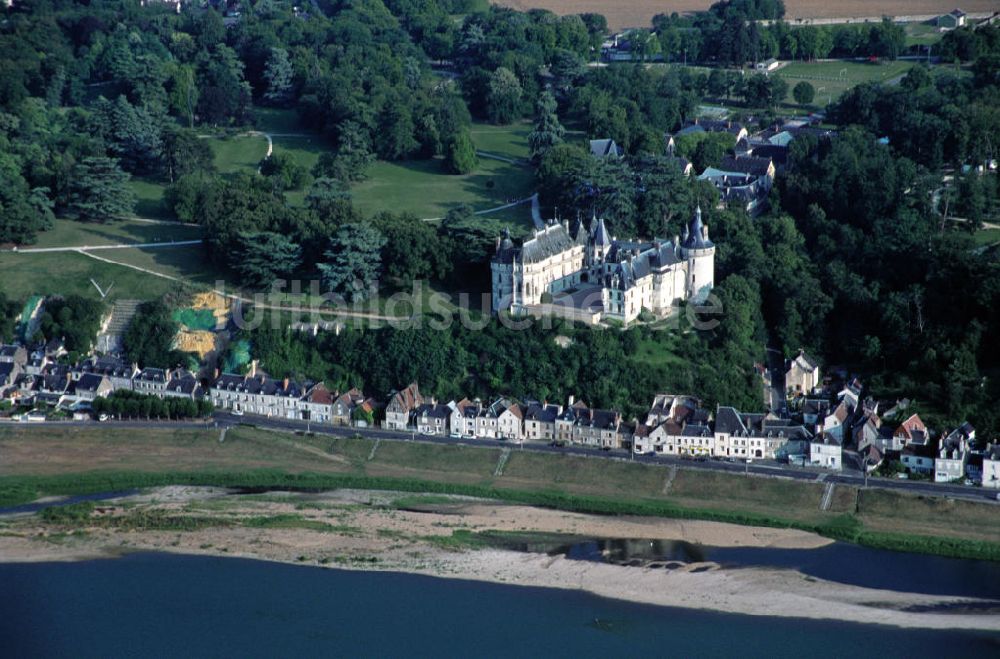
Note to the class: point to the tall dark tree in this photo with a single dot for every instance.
(98, 191)
(354, 262)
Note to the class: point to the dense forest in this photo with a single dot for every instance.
(866, 258)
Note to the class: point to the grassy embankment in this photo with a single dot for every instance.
(48, 461)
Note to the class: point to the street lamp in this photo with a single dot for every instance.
(747, 467)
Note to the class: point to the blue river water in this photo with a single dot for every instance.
(162, 605)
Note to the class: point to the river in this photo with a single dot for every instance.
(164, 605)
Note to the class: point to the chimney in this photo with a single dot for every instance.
(215, 374)
(498, 244)
(572, 399)
(284, 384)
(253, 369)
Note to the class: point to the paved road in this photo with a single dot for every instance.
(758, 468)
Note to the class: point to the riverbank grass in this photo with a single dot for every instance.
(48, 462)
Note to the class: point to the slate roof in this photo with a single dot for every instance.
(754, 165)
(695, 237)
(543, 413)
(438, 411)
(604, 148)
(152, 375)
(89, 382)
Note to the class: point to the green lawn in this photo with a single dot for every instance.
(66, 273)
(921, 34)
(149, 199)
(510, 141)
(274, 120)
(188, 263)
(987, 236)
(831, 79)
(421, 187)
(658, 350)
(69, 233)
(240, 153)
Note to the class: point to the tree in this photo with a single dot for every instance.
(503, 100)
(263, 256)
(134, 134)
(327, 196)
(98, 191)
(149, 338)
(23, 211)
(412, 249)
(192, 197)
(352, 156)
(185, 153)
(73, 318)
(394, 139)
(278, 75)
(460, 157)
(803, 92)
(283, 172)
(548, 131)
(354, 261)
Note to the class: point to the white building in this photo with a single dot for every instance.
(991, 467)
(953, 455)
(825, 451)
(591, 276)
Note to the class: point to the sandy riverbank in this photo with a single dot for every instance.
(364, 530)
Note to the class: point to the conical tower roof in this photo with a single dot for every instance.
(697, 237)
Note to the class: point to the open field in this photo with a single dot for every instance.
(421, 187)
(639, 13)
(510, 141)
(69, 233)
(39, 461)
(66, 273)
(831, 79)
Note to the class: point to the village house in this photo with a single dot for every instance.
(317, 404)
(911, 432)
(118, 371)
(756, 436)
(801, 375)
(91, 386)
(918, 458)
(956, 18)
(151, 382)
(463, 418)
(13, 354)
(181, 383)
(342, 413)
(432, 418)
(540, 421)
(826, 451)
(257, 393)
(488, 419)
(953, 454)
(401, 407)
(510, 423)
(991, 467)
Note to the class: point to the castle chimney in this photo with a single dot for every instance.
(498, 245)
